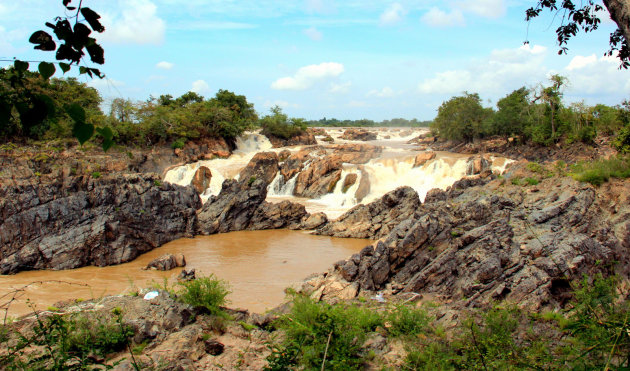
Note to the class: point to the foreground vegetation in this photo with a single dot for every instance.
(593, 332)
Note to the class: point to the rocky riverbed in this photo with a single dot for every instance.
(484, 239)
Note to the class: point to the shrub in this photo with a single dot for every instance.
(407, 321)
(96, 174)
(317, 329)
(63, 342)
(622, 141)
(599, 171)
(178, 144)
(531, 181)
(204, 292)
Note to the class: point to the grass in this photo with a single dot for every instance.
(600, 171)
(204, 292)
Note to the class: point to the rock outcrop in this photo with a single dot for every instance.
(471, 245)
(78, 221)
(319, 178)
(167, 262)
(376, 219)
(201, 179)
(241, 204)
(303, 139)
(358, 134)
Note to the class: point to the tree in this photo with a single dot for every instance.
(584, 16)
(511, 117)
(461, 118)
(23, 107)
(552, 97)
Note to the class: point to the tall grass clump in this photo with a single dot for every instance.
(204, 292)
(599, 171)
(322, 335)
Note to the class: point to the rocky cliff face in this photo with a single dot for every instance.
(76, 221)
(241, 204)
(478, 242)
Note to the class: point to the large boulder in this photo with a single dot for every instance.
(264, 165)
(81, 221)
(319, 178)
(201, 180)
(167, 262)
(301, 139)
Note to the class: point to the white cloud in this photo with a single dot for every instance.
(340, 88)
(484, 8)
(165, 65)
(313, 34)
(306, 76)
(499, 73)
(596, 76)
(200, 87)
(392, 15)
(386, 92)
(436, 17)
(138, 24)
(579, 62)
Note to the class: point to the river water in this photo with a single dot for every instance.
(258, 265)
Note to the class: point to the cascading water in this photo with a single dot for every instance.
(247, 146)
(395, 167)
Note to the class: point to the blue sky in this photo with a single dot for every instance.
(329, 58)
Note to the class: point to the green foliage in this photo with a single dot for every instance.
(280, 125)
(67, 342)
(406, 320)
(251, 181)
(461, 118)
(622, 141)
(531, 181)
(204, 292)
(512, 116)
(599, 171)
(314, 329)
(178, 144)
(592, 334)
(96, 174)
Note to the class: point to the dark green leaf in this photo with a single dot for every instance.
(76, 112)
(43, 40)
(66, 52)
(46, 70)
(106, 132)
(71, 7)
(82, 131)
(20, 66)
(66, 2)
(81, 33)
(96, 53)
(65, 67)
(93, 19)
(83, 70)
(107, 144)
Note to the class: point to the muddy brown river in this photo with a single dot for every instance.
(257, 264)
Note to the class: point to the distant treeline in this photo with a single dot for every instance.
(397, 122)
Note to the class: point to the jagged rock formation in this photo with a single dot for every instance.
(201, 179)
(241, 204)
(78, 221)
(376, 219)
(477, 242)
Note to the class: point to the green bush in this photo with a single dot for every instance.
(178, 144)
(622, 141)
(317, 329)
(204, 292)
(599, 171)
(280, 125)
(63, 342)
(96, 174)
(531, 181)
(407, 321)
